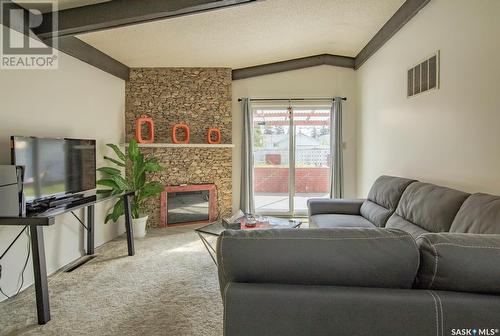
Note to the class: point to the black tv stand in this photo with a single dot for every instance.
(38, 219)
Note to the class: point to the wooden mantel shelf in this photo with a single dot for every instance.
(191, 145)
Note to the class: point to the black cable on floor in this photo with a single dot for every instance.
(27, 258)
(24, 267)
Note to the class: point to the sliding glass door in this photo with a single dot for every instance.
(312, 161)
(291, 155)
(271, 154)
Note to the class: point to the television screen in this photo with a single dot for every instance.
(54, 167)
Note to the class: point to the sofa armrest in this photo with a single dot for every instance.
(460, 262)
(384, 258)
(342, 206)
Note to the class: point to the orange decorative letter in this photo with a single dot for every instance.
(138, 130)
(215, 131)
(186, 134)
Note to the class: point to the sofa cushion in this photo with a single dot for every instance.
(480, 213)
(382, 258)
(398, 222)
(460, 262)
(335, 220)
(428, 206)
(383, 198)
(375, 213)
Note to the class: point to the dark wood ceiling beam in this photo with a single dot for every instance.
(119, 13)
(404, 14)
(294, 64)
(86, 53)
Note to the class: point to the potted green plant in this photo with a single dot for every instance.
(135, 180)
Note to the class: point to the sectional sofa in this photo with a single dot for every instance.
(412, 206)
(412, 259)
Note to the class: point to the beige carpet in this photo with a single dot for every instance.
(169, 287)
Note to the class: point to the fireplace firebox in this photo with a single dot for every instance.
(188, 204)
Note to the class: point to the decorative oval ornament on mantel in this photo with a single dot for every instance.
(212, 132)
(186, 134)
(138, 129)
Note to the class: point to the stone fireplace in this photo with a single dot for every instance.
(200, 98)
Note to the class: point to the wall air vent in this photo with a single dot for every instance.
(423, 76)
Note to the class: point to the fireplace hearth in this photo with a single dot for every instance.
(188, 204)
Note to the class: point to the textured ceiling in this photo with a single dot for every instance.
(257, 33)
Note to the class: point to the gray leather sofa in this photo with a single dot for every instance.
(432, 269)
(412, 206)
(374, 211)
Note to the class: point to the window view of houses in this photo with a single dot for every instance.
(276, 138)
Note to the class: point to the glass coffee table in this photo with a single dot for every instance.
(215, 229)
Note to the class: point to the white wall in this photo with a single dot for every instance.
(79, 101)
(450, 136)
(321, 81)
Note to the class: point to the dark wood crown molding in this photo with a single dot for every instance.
(294, 64)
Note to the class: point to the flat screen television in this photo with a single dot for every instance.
(54, 167)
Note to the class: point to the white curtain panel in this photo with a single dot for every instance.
(337, 169)
(246, 195)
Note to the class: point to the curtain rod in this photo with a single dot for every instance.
(288, 99)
